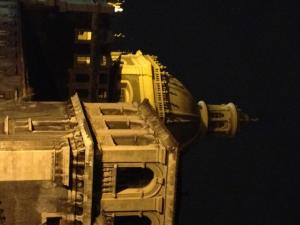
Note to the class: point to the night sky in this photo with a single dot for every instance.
(246, 52)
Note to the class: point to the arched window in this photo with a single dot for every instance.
(132, 220)
(135, 177)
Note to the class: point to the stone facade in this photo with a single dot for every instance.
(74, 163)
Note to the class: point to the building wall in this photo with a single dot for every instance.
(46, 154)
(31, 159)
(25, 201)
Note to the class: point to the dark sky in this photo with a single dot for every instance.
(246, 52)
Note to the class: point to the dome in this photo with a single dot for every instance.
(182, 103)
(183, 116)
(144, 77)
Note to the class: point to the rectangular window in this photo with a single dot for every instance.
(83, 60)
(84, 35)
(53, 221)
(52, 218)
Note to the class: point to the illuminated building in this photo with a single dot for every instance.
(107, 155)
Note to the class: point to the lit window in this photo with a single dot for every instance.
(86, 60)
(84, 36)
(83, 60)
